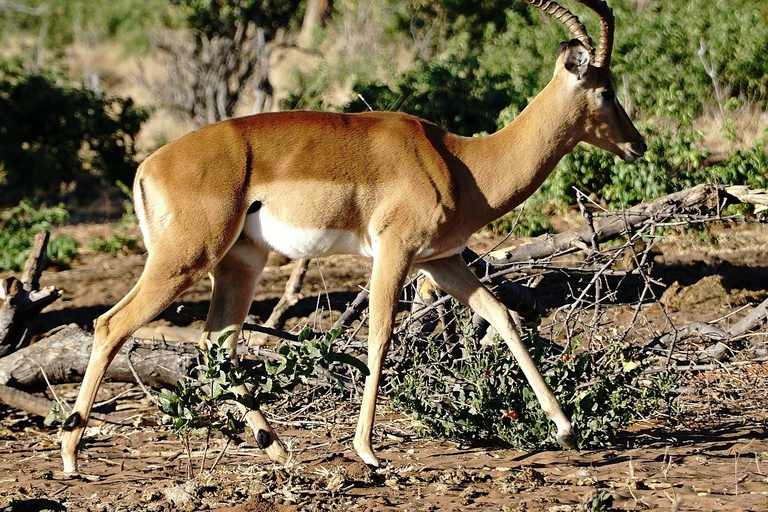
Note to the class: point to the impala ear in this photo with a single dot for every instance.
(576, 57)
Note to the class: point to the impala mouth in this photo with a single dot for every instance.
(634, 151)
(630, 156)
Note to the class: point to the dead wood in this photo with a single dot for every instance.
(515, 296)
(64, 356)
(747, 195)
(24, 401)
(354, 309)
(39, 406)
(713, 333)
(704, 197)
(316, 13)
(291, 296)
(285, 335)
(23, 299)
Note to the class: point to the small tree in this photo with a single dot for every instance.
(229, 50)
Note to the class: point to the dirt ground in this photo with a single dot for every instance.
(710, 455)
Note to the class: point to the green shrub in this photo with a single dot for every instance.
(197, 404)
(675, 160)
(743, 167)
(116, 242)
(477, 393)
(120, 241)
(18, 227)
(59, 142)
(532, 221)
(432, 90)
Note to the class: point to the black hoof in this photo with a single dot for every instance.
(263, 439)
(567, 441)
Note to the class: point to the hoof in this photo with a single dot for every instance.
(70, 465)
(367, 455)
(567, 440)
(275, 449)
(69, 443)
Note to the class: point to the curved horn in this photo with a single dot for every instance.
(565, 16)
(603, 57)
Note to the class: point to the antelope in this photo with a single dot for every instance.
(384, 185)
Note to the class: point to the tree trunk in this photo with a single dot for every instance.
(315, 16)
(63, 358)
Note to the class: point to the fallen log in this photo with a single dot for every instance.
(63, 357)
(40, 406)
(516, 297)
(700, 198)
(713, 333)
(354, 309)
(278, 333)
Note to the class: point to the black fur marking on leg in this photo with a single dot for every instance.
(72, 422)
(263, 439)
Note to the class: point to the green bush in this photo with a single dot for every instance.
(59, 142)
(743, 167)
(431, 91)
(476, 393)
(119, 240)
(674, 161)
(196, 405)
(18, 227)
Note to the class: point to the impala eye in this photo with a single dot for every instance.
(608, 95)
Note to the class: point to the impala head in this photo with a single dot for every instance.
(586, 79)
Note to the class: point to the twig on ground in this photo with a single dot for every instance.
(184, 310)
(136, 374)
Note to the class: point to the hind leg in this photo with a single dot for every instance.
(234, 284)
(157, 287)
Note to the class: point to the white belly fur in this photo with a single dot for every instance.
(295, 242)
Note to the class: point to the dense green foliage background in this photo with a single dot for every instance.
(59, 142)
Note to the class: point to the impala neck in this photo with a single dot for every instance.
(511, 164)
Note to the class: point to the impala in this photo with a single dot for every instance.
(389, 186)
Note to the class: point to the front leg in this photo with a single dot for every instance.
(390, 268)
(453, 276)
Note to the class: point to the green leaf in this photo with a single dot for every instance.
(352, 361)
(628, 366)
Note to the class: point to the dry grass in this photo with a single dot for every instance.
(750, 120)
